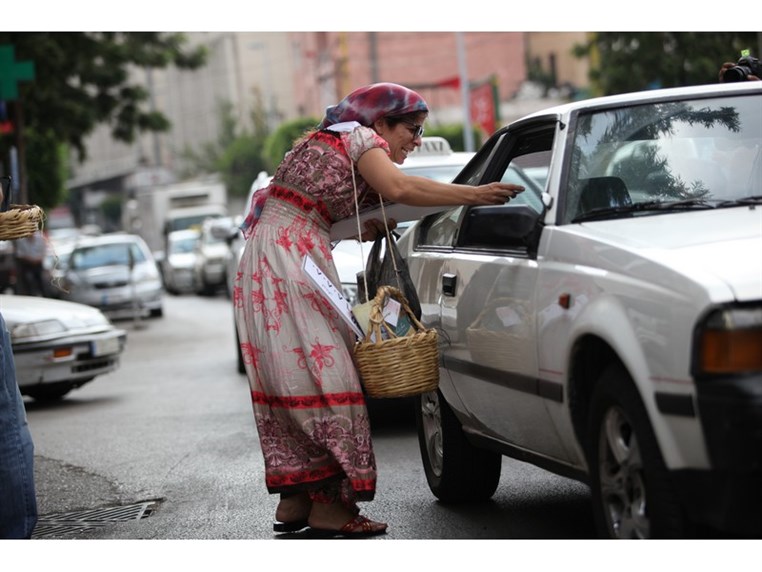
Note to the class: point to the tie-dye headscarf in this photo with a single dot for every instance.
(364, 105)
(372, 102)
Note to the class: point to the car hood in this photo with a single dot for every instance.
(27, 309)
(182, 260)
(713, 248)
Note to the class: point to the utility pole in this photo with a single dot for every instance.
(468, 133)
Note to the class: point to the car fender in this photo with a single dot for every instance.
(607, 318)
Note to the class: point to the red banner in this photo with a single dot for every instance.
(483, 112)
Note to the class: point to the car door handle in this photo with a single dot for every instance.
(449, 283)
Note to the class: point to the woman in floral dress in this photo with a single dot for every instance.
(308, 403)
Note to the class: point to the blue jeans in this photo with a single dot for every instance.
(18, 499)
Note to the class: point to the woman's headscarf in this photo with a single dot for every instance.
(372, 102)
(364, 105)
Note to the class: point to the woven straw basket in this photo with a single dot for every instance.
(398, 366)
(20, 221)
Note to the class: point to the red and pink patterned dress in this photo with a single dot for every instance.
(308, 403)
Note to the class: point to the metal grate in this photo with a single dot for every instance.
(77, 522)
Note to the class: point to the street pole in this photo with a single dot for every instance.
(468, 133)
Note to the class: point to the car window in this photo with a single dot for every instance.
(106, 255)
(707, 149)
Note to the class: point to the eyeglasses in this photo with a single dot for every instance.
(416, 130)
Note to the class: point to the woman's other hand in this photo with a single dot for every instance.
(374, 227)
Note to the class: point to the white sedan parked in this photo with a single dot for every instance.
(59, 346)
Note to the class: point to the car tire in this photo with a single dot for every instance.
(456, 471)
(631, 489)
(49, 392)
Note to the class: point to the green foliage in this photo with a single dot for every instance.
(237, 154)
(634, 61)
(454, 135)
(283, 138)
(82, 79)
(46, 178)
(240, 163)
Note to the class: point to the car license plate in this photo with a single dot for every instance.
(105, 347)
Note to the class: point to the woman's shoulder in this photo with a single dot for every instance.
(362, 139)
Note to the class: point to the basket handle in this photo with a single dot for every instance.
(377, 313)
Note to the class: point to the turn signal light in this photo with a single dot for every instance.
(731, 351)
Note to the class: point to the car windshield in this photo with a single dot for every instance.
(117, 254)
(182, 245)
(665, 156)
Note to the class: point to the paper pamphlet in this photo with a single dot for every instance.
(347, 227)
(331, 293)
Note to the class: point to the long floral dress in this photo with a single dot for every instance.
(308, 403)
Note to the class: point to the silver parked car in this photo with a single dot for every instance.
(179, 262)
(609, 327)
(115, 273)
(211, 256)
(59, 346)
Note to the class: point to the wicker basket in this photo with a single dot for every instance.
(398, 366)
(20, 221)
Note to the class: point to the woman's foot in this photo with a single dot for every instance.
(292, 512)
(335, 519)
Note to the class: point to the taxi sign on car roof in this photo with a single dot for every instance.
(432, 146)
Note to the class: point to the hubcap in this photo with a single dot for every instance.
(623, 491)
(432, 430)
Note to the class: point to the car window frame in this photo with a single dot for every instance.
(490, 164)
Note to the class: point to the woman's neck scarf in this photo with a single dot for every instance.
(365, 106)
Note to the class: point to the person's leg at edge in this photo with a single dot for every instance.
(18, 500)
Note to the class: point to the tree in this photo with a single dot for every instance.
(634, 61)
(237, 154)
(282, 139)
(82, 79)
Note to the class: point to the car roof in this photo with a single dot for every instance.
(677, 93)
(111, 238)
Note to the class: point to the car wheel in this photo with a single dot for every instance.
(49, 392)
(456, 471)
(631, 490)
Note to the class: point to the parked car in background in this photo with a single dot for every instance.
(609, 327)
(179, 263)
(59, 346)
(115, 273)
(211, 255)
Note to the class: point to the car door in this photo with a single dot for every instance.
(487, 286)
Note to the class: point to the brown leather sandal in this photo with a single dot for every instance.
(357, 527)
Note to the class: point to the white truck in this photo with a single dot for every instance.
(158, 210)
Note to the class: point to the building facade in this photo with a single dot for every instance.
(298, 74)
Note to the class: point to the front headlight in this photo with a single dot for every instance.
(730, 342)
(46, 328)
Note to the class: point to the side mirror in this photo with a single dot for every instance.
(501, 227)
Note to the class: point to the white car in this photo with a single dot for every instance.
(607, 328)
(59, 346)
(115, 273)
(178, 264)
(211, 256)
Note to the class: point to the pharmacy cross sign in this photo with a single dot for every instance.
(11, 72)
